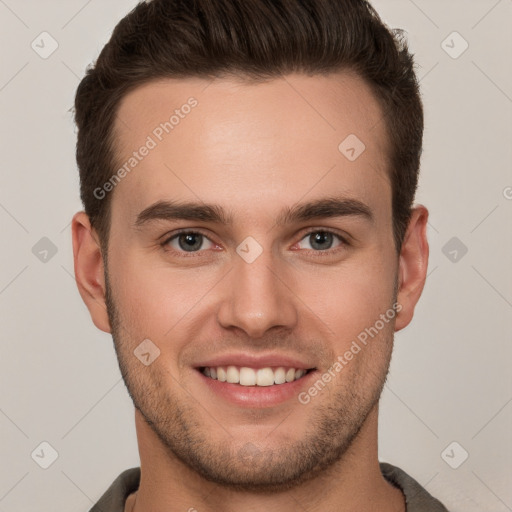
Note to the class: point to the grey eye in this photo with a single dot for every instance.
(321, 240)
(190, 241)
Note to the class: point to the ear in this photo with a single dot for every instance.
(412, 266)
(89, 268)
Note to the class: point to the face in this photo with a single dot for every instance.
(244, 237)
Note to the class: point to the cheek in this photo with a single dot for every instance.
(153, 299)
(350, 299)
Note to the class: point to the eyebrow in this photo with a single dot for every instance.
(329, 207)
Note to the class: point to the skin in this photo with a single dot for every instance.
(254, 149)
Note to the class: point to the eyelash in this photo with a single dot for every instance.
(319, 253)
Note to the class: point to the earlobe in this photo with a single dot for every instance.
(413, 263)
(89, 270)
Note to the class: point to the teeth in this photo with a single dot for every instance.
(279, 376)
(265, 377)
(247, 377)
(253, 377)
(232, 375)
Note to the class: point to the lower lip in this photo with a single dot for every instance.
(258, 396)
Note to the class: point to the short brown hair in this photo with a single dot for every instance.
(253, 40)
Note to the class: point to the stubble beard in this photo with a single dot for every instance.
(176, 421)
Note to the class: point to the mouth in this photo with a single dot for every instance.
(263, 380)
(261, 387)
(255, 377)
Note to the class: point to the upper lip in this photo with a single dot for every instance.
(255, 361)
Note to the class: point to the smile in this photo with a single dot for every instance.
(245, 376)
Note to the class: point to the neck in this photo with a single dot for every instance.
(352, 483)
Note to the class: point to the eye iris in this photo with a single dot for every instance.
(190, 241)
(319, 238)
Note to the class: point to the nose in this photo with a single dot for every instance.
(257, 297)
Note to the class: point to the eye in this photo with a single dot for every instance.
(188, 241)
(321, 240)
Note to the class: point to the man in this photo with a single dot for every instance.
(248, 169)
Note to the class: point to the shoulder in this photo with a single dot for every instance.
(418, 499)
(115, 496)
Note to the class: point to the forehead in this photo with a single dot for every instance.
(235, 142)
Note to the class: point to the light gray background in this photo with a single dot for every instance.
(450, 377)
